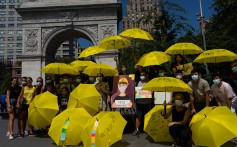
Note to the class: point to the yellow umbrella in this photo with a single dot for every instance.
(91, 51)
(153, 58)
(42, 110)
(85, 96)
(156, 126)
(103, 130)
(59, 68)
(215, 56)
(166, 84)
(81, 65)
(67, 127)
(114, 42)
(184, 48)
(136, 33)
(213, 126)
(105, 69)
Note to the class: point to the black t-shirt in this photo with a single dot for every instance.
(14, 91)
(178, 115)
(126, 97)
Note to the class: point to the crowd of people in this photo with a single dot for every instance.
(19, 96)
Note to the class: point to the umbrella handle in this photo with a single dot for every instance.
(165, 104)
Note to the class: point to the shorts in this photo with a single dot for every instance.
(13, 103)
(142, 109)
(24, 107)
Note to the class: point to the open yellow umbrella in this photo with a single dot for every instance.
(184, 48)
(105, 69)
(213, 126)
(166, 84)
(42, 110)
(103, 130)
(66, 128)
(92, 50)
(156, 126)
(216, 56)
(85, 96)
(153, 58)
(81, 65)
(136, 33)
(114, 42)
(59, 68)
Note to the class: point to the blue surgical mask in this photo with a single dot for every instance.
(142, 77)
(39, 83)
(48, 81)
(65, 81)
(234, 69)
(217, 81)
(161, 74)
(195, 77)
(23, 83)
(122, 89)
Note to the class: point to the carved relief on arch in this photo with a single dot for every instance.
(31, 42)
(93, 30)
(45, 32)
(107, 31)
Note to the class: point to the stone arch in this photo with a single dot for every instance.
(59, 35)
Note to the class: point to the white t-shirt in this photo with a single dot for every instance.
(223, 93)
(141, 84)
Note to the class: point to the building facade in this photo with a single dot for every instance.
(134, 11)
(10, 30)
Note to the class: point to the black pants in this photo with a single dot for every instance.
(199, 106)
(183, 133)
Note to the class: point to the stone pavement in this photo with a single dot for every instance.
(128, 140)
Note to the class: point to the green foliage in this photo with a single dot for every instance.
(64, 60)
(5, 83)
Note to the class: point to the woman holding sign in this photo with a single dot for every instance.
(143, 105)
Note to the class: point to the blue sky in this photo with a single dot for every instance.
(191, 6)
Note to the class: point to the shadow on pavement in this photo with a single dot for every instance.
(158, 143)
(121, 143)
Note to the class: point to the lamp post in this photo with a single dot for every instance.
(203, 32)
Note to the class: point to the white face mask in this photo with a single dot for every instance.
(142, 77)
(234, 69)
(178, 102)
(161, 74)
(217, 81)
(178, 76)
(195, 77)
(122, 89)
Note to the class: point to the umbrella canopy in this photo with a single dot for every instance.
(67, 127)
(114, 42)
(105, 69)
(42, 110)
(81, 65)
(166, 84)
(184, 48)
(213, 126)
(91, 51)
(136, 33)
(216, 56)
(85, 96)
(103, 130)
(156, 126)
(59, 68)
(153, 58)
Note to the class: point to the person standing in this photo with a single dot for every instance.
(39, 86)
(3, 102)
(223, 93)
(12, 95)
(200, 94)
(27, 94)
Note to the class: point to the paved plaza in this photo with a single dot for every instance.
(128, 140)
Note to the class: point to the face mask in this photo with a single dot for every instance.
(23, 83)
(179, 77)
(123, 69)
(99, 79)
(234, 69)
(122, 89)
(65, 81)
(178, 102)
(217, 81)
(91, 79)
(194, 77)
(78, 80)
(161, 74)
(60, 82)
(142, 77)
(48, 81)
(39, 84)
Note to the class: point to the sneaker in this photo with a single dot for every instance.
(26, 133)
(11, 136)
(8, 133)
(31, 134)
(20, 135)
(136, 133)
